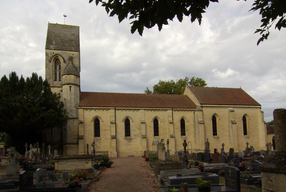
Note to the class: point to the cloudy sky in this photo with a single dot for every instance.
(222, 50)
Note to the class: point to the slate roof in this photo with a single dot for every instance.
(62, 37)
(223, 96)
(99, 99)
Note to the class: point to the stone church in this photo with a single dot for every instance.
(127, 124)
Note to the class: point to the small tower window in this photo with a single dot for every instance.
(156, 127)
(57, 70)
(183, 130)
(127, 127)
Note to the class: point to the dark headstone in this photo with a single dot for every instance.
(232, 178)
(25, 179)
(207, 157)
(231, 151)
(200, 156)
(52, 176)
(255, 165)
(215, 158)
(40, 175)
(221, 159)
(229, 158)
(235, 161)
(256, 153)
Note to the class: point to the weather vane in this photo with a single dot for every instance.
(64, 18)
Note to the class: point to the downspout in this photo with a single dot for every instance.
(115, 131)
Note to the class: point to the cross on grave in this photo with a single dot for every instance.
(26, 151)
(43, 153)
(31, 153)
(168, 152)
(92, 148)
(247, 145)
(37, 155)
(207, 146)
(185, 160)
(12, 155)
(49, 148)
(222, 149)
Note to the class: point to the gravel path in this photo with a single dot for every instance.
(126, 174)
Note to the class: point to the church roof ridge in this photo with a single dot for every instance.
(103, 99)
(223, 96)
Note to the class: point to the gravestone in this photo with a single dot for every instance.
(231, 155)
(185, 160)
(240, 153)
(264, 153)
(251, 150)
(52, 176)
(43, 153)
(255, 165)
(55, 153)
(200, 156)
(49, 152)
(232, 178)
(161, 151)
(25, 180)
(26, 150)
(207, 146)
(256, 153)
(40, 175)
(215, 157)
(30, 152)
(221, 158)
(12, 168)
(37, 154)
(93, 148)
(207, 157)
(87, 149)
(222, 152)
(193, 156)
(168, 151)
(247, 149)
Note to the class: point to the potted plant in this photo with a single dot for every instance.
(203, 185)
(173, 190)
(184, 186)
(52, 162)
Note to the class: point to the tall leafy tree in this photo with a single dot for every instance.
(176, 87)
(27, 107)
(148, 13)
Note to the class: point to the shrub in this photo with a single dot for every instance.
(203, 183)
(221, 172)
(196, 163)
(96, 165)
(153, 157)
(105, 161)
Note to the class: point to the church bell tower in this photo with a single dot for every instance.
(63, 74)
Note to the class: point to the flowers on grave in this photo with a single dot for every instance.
(146, 159)
(201, 167)
(242, 164)
(221, 172)
(73, 180)
(23, 160)
(82, 174)
(210, 170)
(203, 184)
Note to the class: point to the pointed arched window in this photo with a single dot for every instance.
(244, 121)
(183, 130)
(57, 70)
(214, 123)
(127, 127)
(156, 127)
(96, 128)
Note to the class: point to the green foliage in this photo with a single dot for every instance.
(203, 183)
(176, 88)
(52, 162)
(270, 123)
(197, 163)
(246, 175)
(148, 13)
(173, 190)
(221, 172)
(96, 165)
(271, 11)
(185, 185)
(105, 162)
(153, 157)
(27, 107)
(33, 162)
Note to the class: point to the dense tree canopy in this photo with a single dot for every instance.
(148, 13)
(176, 88)
(27, 107)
